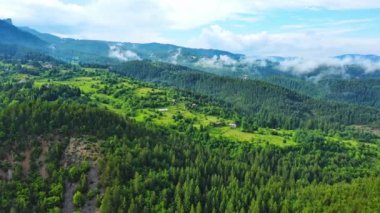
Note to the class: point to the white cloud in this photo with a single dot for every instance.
(217, 62)
(336, 4)
(115, 51)
(148, 20)
(132, 20)
(313, 69)
(184, 14)
(122, 20)
(187, 14)
(310, 43)
(327, 67)
(42, 11)
(174, 58)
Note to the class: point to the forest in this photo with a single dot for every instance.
(264, 103)
(154, 137)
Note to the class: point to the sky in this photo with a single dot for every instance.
(299, 28)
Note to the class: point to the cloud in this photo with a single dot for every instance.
(188, 14)
(46, 11)
(300, 66)
(152, 15)
(132, 20)
(318, 68)
(115, 51)
(308, 68)
(217, 62)
(313, 69)
(174, 57)
(151, 20)
(310, 43)
(328, 4)
(121, 20)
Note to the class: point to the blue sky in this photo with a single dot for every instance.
(307, 28)
(364, 23)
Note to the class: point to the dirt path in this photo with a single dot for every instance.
(93, 181)
(45, 149)
(10, 158)
(25, 164)
(68, 206)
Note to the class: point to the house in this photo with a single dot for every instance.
(163, 110)
(47, 66)
(232, 125)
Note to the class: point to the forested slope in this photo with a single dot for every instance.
(86, 139)
(364, 92)
(184, 173)
(270, 105)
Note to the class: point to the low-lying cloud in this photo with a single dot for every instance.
(217, 62)
(177, 54)
(312, 43)
(301, 66)
(115, 51)
(313, 69)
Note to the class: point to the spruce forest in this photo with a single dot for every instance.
(81, 131)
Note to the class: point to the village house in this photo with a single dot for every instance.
(232, 125)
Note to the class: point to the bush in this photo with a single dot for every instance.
(78, 199)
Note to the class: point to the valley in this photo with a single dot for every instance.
(102, 126)
(164, 106)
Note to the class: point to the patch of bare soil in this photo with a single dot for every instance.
(372, 130)
(25, 164)
(376, 131)
(3, 175)
(68, 206)
(93, 180)
(45, 149)
(78, 150)
(10, 159)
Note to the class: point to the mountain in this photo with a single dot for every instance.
(364, 92)
(297, 74)
(215, 61)
(150, 136)
(92, 51)
(9, 34)
(270, 105)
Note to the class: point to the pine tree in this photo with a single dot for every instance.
(199, 208)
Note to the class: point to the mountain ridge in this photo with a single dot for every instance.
(10, 34)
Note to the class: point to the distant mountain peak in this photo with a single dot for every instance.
(10, 34)
(8, 20)
(373, 58)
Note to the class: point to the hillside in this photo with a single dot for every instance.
(282, 71)
(9, 34)
(355, 91)
(102, 126)
(86, 139)
(100, 52)
(271, 105)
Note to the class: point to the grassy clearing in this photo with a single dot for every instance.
(143, 91)
(259, 138)
(90, 86)
(85, 84)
